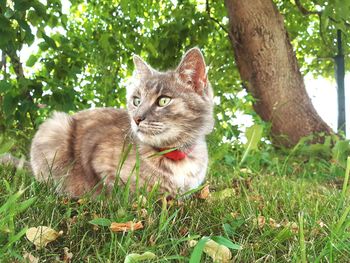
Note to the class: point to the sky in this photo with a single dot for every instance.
(323, 95)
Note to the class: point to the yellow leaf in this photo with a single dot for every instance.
(67, 256)
(29, 258)
(141, 202)
(131, 258)
(234, 215)
(321, 223)
(204, 193)
(82, 201)
(261, 221)
(123, 227)
(273, 223)
(294, 228)
(222, 195)
(219, 253)
(42, 235)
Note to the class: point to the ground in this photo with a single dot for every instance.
(289, 210)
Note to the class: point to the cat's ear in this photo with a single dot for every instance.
(143, 70)
(192, 70)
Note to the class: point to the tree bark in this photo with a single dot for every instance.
(270, 72)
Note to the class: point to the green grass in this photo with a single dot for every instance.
(305, 207)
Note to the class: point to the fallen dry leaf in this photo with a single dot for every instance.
(29, 258)
(141, 202)
(42, 235)
(152, 240)
(128, 226)
(82, 201)
(273, 223)
(321, 223)
(221, 195)
(65, 201)
(256, 198)
(294, 227)
(285, 223)
(204, 193)
(143, 213)
(131, 258)
(261, 221)
(245, 170)
(67, 256)
(219, 253)
(234, 215)
(183, 231)
(192, 243)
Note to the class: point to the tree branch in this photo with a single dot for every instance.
(3, 61)
(207, 8)
(304, 11)
(18, 68)
(337, 21)
(17, 65)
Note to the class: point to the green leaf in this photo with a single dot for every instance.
(6, 146)
(198, 250)
(33, 17)
(9, 13)
(9, 104)
(39, 8)
(254, 135)
(13, 239)
(222, 195)
(341, 151)
(31, 60)
(5, 86)
(130, 258)
(226, 242)
(24, 25)
(49, 41)
(25, 204)
(22, 5)
(104, 42)
(101, 222)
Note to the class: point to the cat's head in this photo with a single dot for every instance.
(173, 108)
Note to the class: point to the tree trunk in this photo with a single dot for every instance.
(270, 72)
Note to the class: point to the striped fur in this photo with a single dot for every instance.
(84, 151)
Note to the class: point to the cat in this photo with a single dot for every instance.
(164, 127)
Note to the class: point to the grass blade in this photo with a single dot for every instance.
(198, 250)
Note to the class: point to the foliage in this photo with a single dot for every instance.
(82, 52)
(312, 27)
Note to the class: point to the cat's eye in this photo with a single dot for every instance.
(163, 101)
(136, 101)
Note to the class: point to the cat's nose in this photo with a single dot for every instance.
(138, 119)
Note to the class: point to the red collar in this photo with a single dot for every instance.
(175, 155)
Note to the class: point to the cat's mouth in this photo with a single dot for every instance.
(164, 137)
(150, 130)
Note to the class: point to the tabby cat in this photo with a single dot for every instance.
(164, 127)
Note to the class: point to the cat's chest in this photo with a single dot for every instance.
(184, 175)
(181, 175)
(188, 175)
